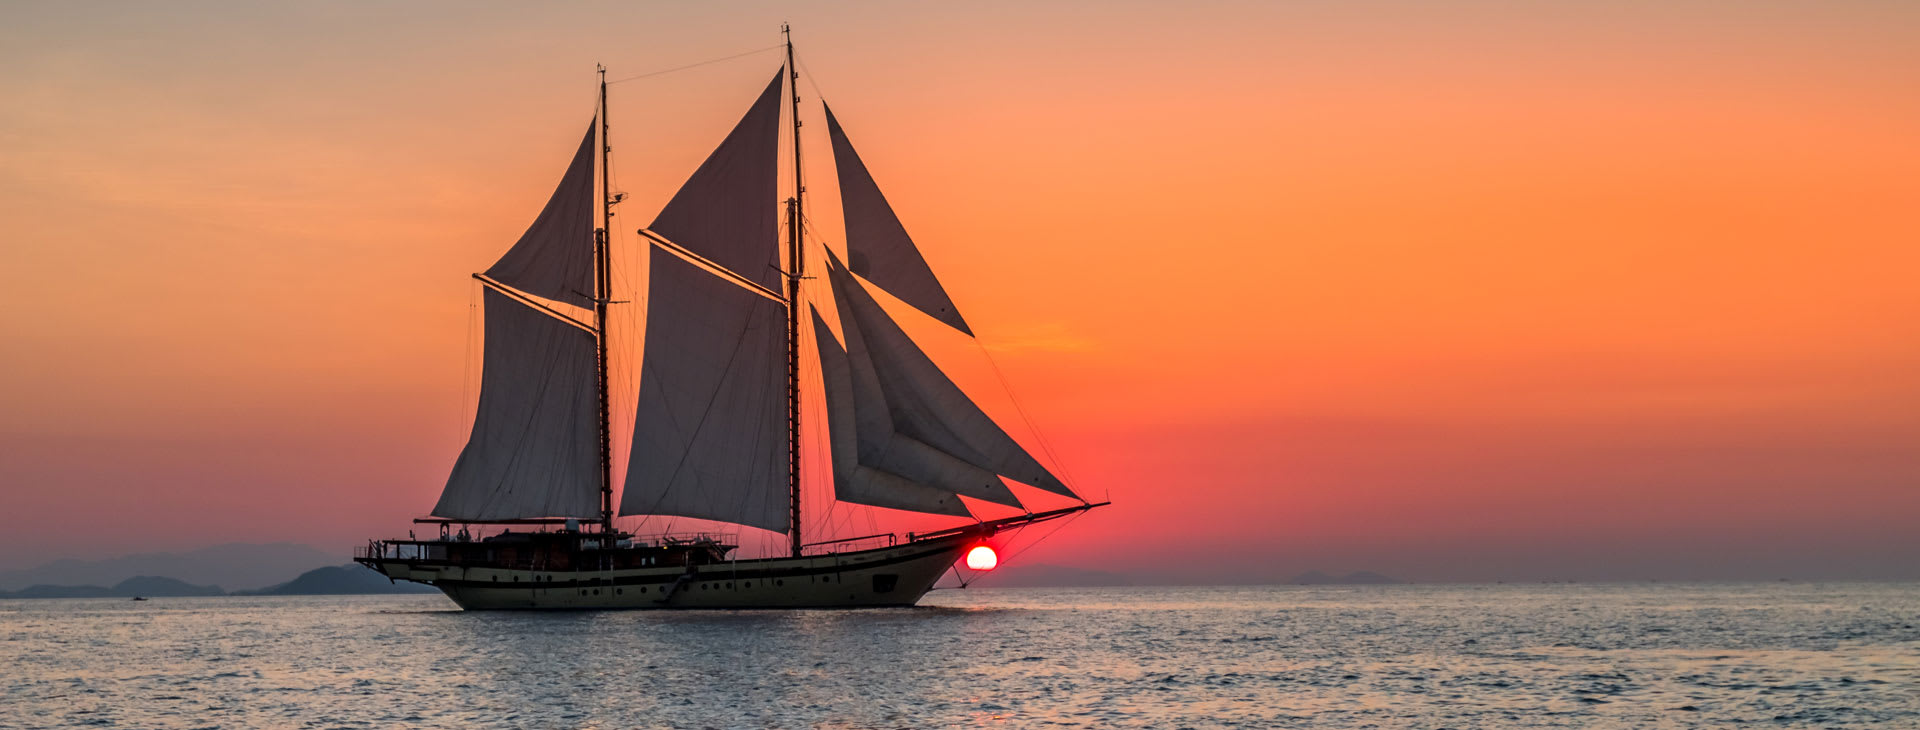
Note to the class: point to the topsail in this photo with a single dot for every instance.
(554, 258)
(726, 211)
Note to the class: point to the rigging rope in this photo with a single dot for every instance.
(1038, 437)
(695, 65)
(466, 377)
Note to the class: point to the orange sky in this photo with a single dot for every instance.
(1599, 291)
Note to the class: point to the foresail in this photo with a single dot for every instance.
(935, 426)
(881, 445)
(709, 436)
(554, 258)
(534, 450)
(726, 212)
(878, 246)
(852, 481)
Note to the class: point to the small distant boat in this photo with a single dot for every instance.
(139, 598)
(717, 423)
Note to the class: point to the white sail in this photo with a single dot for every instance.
(726, 211)
(709, 436)
(878, 246)
(534, 450)
(852, 481)
(923, 405)
(554, 258)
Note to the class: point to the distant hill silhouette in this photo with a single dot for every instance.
(140, 585)
(1356, 578)
(330, 580)
(238, 565)
(339, 580)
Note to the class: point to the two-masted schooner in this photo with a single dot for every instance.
(716, 432)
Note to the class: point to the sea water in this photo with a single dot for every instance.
(1496, 656)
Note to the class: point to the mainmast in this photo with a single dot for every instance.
(603, 298)
(796, 267)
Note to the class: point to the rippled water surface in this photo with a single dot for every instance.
(1616, 656)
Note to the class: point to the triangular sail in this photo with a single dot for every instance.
(534, 450)
(880, 444)
(878, 246)
(926, 409)
(554, 258)
(853, 481)
(709, 436)
(726, 211)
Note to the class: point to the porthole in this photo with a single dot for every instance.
(619, 591)
(729, 585)
(777, 583)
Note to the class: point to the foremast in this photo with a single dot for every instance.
(602, 299)
(796, 270)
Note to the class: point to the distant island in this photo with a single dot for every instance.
(232, 565)
(336, 580)
(331, 580)
(140, 585)
(1356, 578)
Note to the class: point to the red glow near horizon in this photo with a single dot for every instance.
(982, 557)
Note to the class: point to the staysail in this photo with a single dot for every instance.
(911, 420)
(534, 451)
(725, 212)
(878, 246)
(854, 481)
(554, 258)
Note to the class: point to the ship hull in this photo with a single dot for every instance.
(891, 576)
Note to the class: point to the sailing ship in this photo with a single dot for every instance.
(716, 432)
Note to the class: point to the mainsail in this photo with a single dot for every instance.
(709, 437)
(534, 451)
(878, 247)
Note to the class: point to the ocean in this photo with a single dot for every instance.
(1484, 656)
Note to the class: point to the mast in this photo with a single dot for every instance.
(602, 298)
(796, 266)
